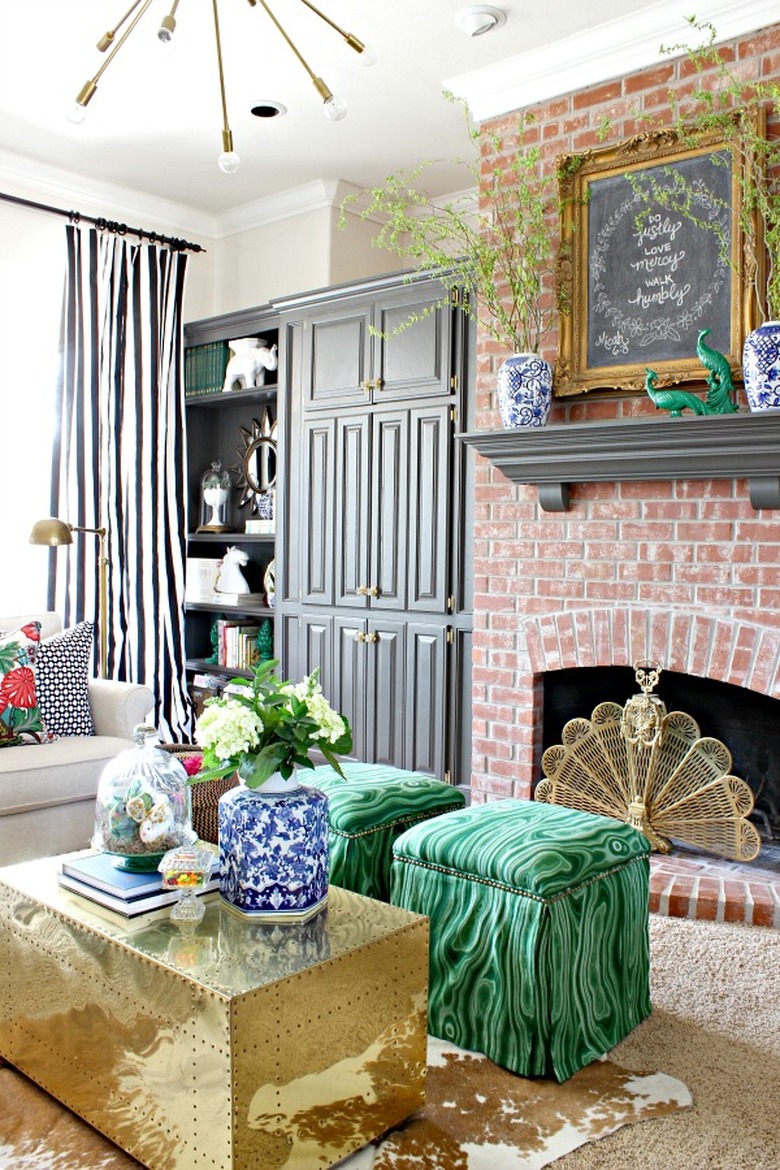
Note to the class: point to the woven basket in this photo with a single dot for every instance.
(205, 796)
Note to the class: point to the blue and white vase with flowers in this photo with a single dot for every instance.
(273, 830)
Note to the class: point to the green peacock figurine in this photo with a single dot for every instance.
(721, 396)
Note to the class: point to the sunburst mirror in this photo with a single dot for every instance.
(256, 472)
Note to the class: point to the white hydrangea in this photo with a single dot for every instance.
(229, 729)
(331, 725)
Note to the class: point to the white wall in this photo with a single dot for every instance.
(32, 266)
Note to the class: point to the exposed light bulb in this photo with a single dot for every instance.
(335, 108)
(166, 30)
(368, 56)
(76, 113)
(229, 162)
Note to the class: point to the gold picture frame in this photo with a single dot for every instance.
(637, 282)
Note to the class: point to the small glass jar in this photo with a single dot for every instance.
(215, 489)
(187, 869)
(143, 805)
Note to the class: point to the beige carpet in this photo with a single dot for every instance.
(715, 1027)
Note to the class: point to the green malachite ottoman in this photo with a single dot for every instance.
(539, 949)
(367, 811)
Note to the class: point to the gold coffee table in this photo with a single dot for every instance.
(229, 1045)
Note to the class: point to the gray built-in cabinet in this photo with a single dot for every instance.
(373, 544)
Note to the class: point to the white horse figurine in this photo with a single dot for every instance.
(246, 368)
(230, 579)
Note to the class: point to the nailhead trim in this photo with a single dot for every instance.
(402, 821)
(496, 885)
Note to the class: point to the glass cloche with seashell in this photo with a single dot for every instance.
(143, 805)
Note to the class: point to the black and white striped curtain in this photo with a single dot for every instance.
(119, 459)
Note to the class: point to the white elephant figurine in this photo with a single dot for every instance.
(246, 368)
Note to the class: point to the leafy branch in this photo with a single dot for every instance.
(731, 108)
(504, 253)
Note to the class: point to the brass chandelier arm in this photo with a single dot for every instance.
(353, 41)
(107, 38)
(227, 136)
(319, 84)
(89, 87)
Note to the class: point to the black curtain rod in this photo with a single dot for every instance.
(108, 225)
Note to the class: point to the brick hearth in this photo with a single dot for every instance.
(719, 891)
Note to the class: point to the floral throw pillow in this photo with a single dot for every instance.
(64, 662)
(20, 715)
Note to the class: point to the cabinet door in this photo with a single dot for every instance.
(313, 546)
(426, 698)
(351, 505)
(416, 362)
(336, 358)
(313, 651)
(389, 509)
(349, 678)
(430, 446)
(384, 693)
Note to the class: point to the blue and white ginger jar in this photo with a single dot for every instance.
(761, 366)
(273, 850)
(524, 390)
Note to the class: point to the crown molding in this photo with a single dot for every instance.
(29, 179)
(605, 51)
(323, 194)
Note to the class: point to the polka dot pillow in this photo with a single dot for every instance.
(64, 667)
(20, 714)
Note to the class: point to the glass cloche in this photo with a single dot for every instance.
(215, 488)
(143, 806)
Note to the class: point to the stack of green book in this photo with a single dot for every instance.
(204, 368)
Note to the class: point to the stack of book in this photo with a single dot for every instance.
(204, 368)
(96, 877)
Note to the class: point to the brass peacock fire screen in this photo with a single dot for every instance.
(654, 770)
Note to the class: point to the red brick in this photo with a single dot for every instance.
(764, 904)
(680, 897)
(735, 901)
(707, 897)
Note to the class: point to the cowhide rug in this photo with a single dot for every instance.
(477, 1116)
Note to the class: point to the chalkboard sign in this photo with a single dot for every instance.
(645, 279)
(656, 277)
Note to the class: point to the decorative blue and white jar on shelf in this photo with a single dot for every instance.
(524, 391)
(273, 849)
(761, 366)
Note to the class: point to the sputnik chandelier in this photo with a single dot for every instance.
(334, 107)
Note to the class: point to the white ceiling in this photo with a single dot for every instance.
(154, 124)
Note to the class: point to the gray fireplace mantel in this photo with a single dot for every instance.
(741, 446)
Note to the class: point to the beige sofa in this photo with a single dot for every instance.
(47, 791)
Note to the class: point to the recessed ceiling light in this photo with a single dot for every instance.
(266, 109)
(479, 19)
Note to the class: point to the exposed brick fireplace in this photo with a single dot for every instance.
(685, 571)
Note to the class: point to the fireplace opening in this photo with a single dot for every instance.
(747, 722)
